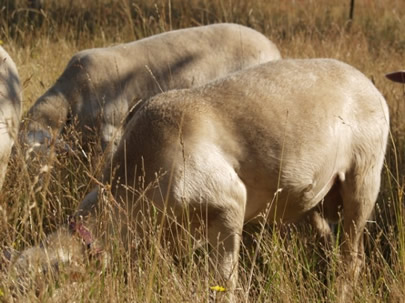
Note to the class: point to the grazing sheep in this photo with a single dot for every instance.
(282, 137)
(10, 109)
(100, 86)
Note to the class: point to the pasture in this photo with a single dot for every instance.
(276, 264)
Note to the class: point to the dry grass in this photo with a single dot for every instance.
(287, 268)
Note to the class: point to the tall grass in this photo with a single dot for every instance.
(287, 267)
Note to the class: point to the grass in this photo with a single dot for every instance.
(286, 268)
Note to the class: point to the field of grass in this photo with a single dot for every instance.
(286, 267)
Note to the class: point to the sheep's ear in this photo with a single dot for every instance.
(397, 76)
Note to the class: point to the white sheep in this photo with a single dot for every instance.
(100, 86)
(282, 138)
(10, 108)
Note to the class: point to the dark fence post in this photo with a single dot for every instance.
(351, 10)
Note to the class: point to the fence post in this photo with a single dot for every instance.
(351, 10)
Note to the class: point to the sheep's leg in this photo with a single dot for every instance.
(225, 225)
(359, 193)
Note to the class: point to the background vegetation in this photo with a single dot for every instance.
(286, 269)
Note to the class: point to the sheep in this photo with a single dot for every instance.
(279, 139)
(10, 109)
(100, 86)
